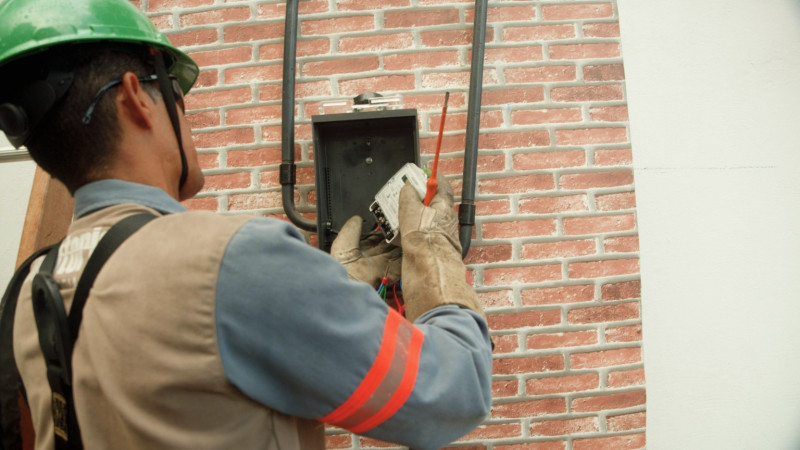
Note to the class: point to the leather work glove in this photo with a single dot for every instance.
(368, 259)
(433, 273)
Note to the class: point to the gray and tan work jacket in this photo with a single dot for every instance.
(211, 331)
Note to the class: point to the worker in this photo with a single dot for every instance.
(218, 331)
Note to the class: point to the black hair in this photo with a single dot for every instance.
(69, 150)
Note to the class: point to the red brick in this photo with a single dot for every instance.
(421, 18)
(219, 15)
(313, 89)
(490, 431)
(530, 274)
(336, 25)
(496, 299)
(610, 401)
(254, 74)
(587, 93)
(549, 160)
(609, 113)
(602, 29)
(538, 33)
(531, 408)
(420, 60)
(203, 119)
(257, 114)
(530, 364)
(427, 146)
(519, 139)
(517, 185)
(626, 378)
(222, 56)
(202, 203)
(169, 5)
(368, 5)
(560, 385)
(598, 224)
(505, 344)
(621, 244)
(383, 83)
(630, 333)
(262, 200)
(558, 295)
(607, 313)
(220, 98)
(254, 157)
(614, 157)
(496, 14)
(338, 441)
(558, 340)
(248, 33)
(606, 358)
(546, 445)
(606, 268)
(492, 207)
(626, 422)
(560, 249)
(376, 42)
(491, 97)
(163, 22)
(580, 11)
(367, 443)
(615, 202)
(506, 55)
(565, 426)
(586, 136)
(193, 37)
(451, 38)
(549, 205)
(544, 116)
(485, 254)
(455, 80)
(622, 291)
(626, 442)
(505, 388)
(542, 74)
(208, 160)
(604, 72)
(484, 164)
(590, 180)
(236, 180)
(223, 138)
(584, 51)
(311, 47)
(505, 321)
(519, 228)
(340, 66)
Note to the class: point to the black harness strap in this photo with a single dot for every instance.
(59, 331)
(10, 383)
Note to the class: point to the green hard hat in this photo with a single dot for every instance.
(31, 26)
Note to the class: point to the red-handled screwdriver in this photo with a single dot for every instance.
(433, 185)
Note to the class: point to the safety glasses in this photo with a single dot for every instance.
(176, 90)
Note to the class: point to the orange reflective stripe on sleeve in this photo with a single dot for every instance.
(388, 383)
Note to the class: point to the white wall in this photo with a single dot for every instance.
(714, 98)
(16, 179)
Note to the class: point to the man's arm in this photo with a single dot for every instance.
(298, 336)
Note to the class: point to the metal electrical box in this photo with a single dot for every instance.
(355, 154)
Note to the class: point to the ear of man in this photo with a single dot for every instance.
(134, 103)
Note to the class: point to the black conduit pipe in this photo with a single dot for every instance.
(287, 169)
(466, 210)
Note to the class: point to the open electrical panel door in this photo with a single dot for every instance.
(355, 154)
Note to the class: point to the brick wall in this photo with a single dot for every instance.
(555, 254)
